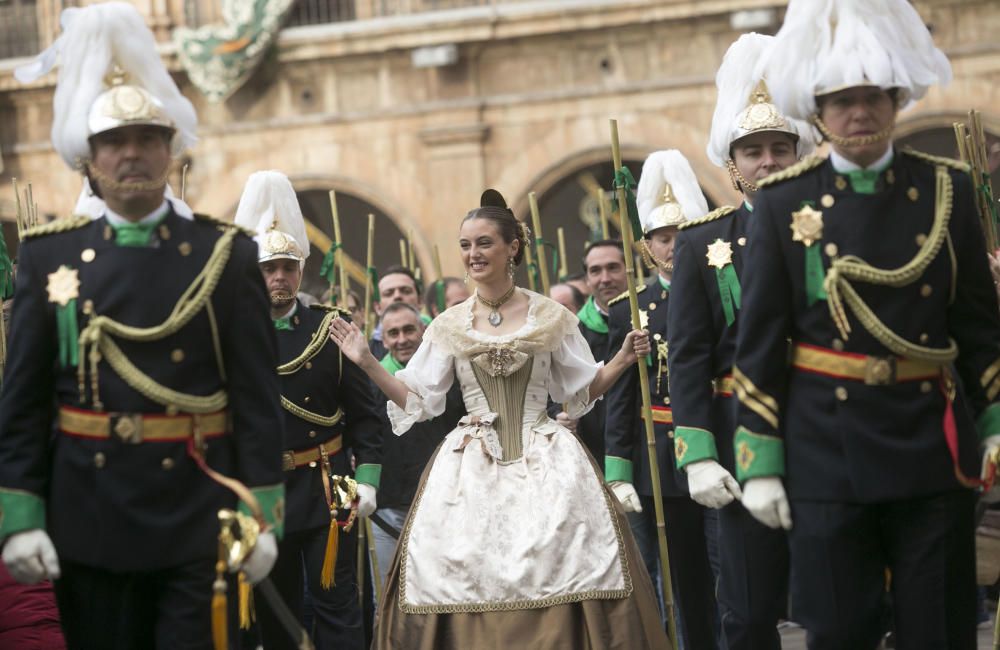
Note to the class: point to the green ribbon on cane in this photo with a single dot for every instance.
(624, 179)
(729, 291)
(327, 270)
(373, 274)
(439, 295)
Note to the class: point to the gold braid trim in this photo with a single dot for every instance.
(319, 339)
(715, 214)
(850, 267)
(57, 226)
(799, 168)
(309, 416)
(99, 332)
(224, 225)
(938, 160)
(651, 261)
(624, 295)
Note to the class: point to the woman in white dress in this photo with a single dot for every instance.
(513, 541)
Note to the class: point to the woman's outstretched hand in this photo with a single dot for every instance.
(636, 342)
(351, 341)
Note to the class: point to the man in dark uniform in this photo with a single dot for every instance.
(752, 140)
(668, 195)
(140, 370)
(604, 269)
(329, 409)
(405, 457)
(869, 344)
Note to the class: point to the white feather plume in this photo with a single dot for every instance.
(93, 39)
(829, 44)
(669, 166)
(736, 80)
(269, 198)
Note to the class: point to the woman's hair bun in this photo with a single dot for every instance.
(492, 198)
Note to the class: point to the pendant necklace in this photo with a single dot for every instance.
(495, 317)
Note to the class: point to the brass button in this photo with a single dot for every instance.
(913, 194)
(838, 345)
(926, 387)
(921, 239)
(107, 233)
(88, 306)
(88, 255)
(652, 305)
(164, 232)
(840, 183)
(312, 434)
(830, 249)
(306, 399)
(841, 393)
(926, 290)
(177, 355)
(666, 400)
(184, 248)
(295, 320)
(670, 434)
(99, 460)
(924, 337)
(826, 201)
(309, 365)
(312, 464)
(742, 241)
(171, 409)
(890, 176)
(657, 336)
(167, 463)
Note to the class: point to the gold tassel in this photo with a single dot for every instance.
(247, 613)
(330, 556)
(220, 635)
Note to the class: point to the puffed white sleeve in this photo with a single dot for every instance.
(573, 370)
(429, 376)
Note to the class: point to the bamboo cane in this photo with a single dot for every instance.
(369, 287)
(338, 253)
(654, 469)
(18, 214)
(602, 205)
(32, 207)
(184, 178)
(640, 277)
(563, 270)
(536, 222)
(402, 253)
(373, 557)
(412, 263)
(439, 282)
(529, 258)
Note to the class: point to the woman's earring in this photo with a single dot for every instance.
(510, 268)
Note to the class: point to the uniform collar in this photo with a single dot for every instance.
(842, 165)
(116, 219)
(285, 322)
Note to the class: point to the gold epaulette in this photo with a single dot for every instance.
(938, 160)
(717, 213)
(624, 295)
(322, 306)
(223, 224)
(57, 226)
(809, 162)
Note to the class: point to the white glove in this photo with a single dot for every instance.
(261, 559)
(30, 557)
(366, 500)
(766, 500)
(991, 454)
(711, 485)
(626, 495)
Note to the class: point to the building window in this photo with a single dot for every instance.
(319, 12)
(18, 28)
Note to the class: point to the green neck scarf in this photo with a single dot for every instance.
(663, 283)
(591, 317)
(863, 181)
(390, 364)
(136, 234)
(284, 323)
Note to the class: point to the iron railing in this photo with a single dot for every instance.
(18, 28)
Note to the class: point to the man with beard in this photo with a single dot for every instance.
(329, 410)
(140, 391)
(751, 139)
(668, 195)
(404, 457)
(604, 270)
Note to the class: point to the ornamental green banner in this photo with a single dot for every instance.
(219, 58)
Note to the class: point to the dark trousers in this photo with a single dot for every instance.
(753, 580)
(689, 568)
(336, 614)
(840, 553)
(166, 609)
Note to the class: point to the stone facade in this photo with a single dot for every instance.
(525, 107)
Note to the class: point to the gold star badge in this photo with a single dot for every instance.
(680, 448)
(807, 225)
(64, 285)
(720, 254)
(744, 455)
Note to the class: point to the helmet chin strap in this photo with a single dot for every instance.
(651, 260)
(742, 185)
(853, 141)
(106, 183)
